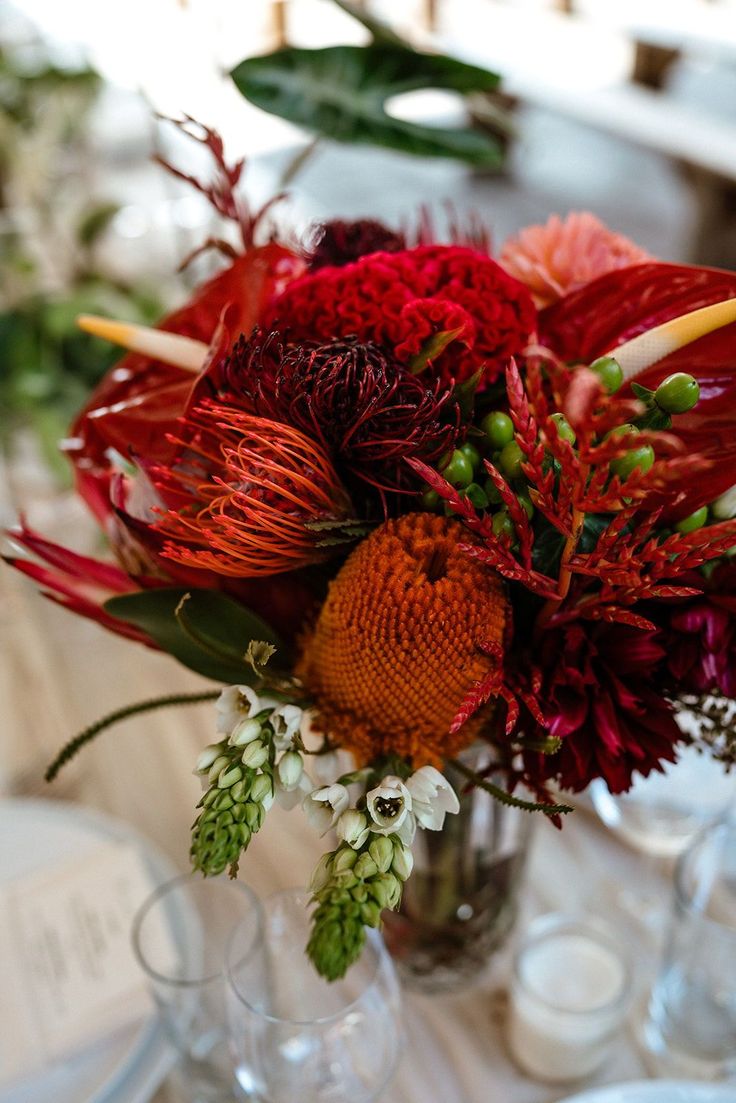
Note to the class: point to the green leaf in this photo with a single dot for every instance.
(340, 92)
(213, 638)
(433, 347)
(95, 221)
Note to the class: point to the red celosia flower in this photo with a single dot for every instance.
(372, 299)
(367, 410)
(601, 695)
(248, 488)
(701, 640)
(337, 242)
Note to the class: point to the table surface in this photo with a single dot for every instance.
(59, 673)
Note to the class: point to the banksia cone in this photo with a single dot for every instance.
(396, 646)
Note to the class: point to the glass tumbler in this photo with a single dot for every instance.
(180, 936)
(691, 1024)
(295, 1038)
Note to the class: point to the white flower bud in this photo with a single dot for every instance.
(403, 862)
(229, 777)
(352, 828)
(244, 733)
(217, 767)
(322, 873)
(255, 754)
(290, 769)
(207, 757)
(261, 791)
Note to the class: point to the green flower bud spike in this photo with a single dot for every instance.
(234, 806)
(350, 891)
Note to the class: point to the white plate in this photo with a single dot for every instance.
(129, 1067)
(658, 1091)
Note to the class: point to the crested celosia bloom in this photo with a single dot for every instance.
(366, 410)
(396, 646)
(401, 300)
(249, 488)
(554, 259)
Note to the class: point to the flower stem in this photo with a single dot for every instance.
(70, 749)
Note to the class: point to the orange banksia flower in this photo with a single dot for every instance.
(396, 647)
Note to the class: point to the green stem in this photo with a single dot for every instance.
(509, 798)
(70, 749)
(297, 163)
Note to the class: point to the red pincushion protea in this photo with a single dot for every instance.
(374, 299)
(601, 697)
(368, 412)
(247, 486)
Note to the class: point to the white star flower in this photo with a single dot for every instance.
(324, 806)
(432, 797)
(389, 805)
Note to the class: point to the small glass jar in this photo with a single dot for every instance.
(569, 995)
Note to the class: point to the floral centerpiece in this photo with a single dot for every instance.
(398, 497)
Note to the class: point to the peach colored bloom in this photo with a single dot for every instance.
(562, 255)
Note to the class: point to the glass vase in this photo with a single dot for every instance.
(461, 900)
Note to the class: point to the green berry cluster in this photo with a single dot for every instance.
(351, 888)
(239, 771)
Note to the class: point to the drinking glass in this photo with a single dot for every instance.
(295, 1038)
(691, 1024)
(661, 814)
(180, 936)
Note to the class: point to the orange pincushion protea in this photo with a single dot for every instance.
(395, 648)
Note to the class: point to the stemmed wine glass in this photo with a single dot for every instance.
(294, 1037)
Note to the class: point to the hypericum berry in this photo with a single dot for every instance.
(430, 500)
(471, 453)
(694, 522)
(564, 430)
(608, 370)
(492, 493)
(621, 431)
(640, 459)
(498, 428)
(475, 494)
(502, 524)
(677, 393)
(511, 459)
(458, 470)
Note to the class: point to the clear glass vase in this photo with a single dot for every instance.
(461, 900)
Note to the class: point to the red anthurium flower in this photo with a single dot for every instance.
(622, 304)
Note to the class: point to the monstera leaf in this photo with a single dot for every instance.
(340, 92)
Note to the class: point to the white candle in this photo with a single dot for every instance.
(568, 998)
